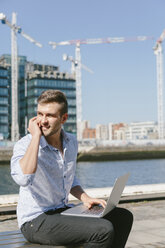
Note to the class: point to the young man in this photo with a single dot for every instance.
(44, 164)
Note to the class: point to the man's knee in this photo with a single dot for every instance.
(121, 216)
(123, 212)
(127, 215)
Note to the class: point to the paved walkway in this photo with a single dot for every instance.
(148, 229)
(149, 225)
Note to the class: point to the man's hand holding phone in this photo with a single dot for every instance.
(34, 127)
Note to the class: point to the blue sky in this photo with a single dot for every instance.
(123, 86)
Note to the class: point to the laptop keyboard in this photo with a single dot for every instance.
(96, 210)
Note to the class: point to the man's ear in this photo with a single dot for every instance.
(64, 118)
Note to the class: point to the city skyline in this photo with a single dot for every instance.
(123, 86)
(120, 131)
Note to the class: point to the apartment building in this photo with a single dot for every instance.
(4, 110)
(32, 80)
(44, 77)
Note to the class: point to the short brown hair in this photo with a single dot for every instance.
(50, 96)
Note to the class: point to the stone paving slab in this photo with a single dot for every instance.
(148, 229)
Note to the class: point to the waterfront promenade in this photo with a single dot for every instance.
(148, 229)
(104, 153)
(149, 215)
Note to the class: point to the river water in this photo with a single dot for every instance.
(102, 174)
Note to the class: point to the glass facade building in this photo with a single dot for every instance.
(32, 80)
(21, 94)
(40, 82)
(5, 60)
(4, 97)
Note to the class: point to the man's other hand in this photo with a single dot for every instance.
(89, 202)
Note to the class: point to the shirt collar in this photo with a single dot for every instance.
(65, 136)
(44, 143)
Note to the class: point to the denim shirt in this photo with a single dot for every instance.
(49, 187)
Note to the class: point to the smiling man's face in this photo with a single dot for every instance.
(50, 119)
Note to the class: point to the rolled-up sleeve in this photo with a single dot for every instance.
(76, 182)
(16, 172)
(74, 148)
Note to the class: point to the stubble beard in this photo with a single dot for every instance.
(50, 131)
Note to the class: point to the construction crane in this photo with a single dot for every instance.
(75, 63)
(14, 69)
(158, 50)
(77, 43)
(77, 73)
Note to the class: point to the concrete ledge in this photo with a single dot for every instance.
(134, 190)
(130, 192)
(9, 199)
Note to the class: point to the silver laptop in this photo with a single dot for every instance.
(97, 210)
